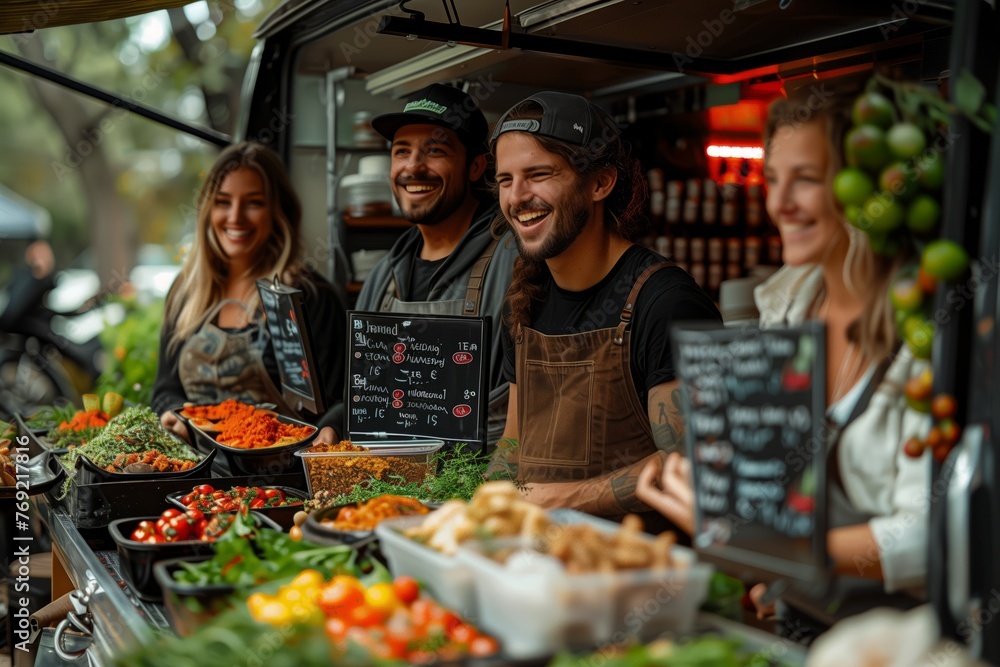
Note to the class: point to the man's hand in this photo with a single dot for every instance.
(327, 436)
(172, 423)
(668, 488)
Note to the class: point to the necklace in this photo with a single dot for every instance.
(850, 364)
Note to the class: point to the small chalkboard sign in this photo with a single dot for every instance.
(755, 426)
(291, 339)
(422, 376)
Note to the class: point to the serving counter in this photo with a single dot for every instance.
(121, 621)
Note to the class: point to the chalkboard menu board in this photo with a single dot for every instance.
(754, 409)
(420, 376)
(290, 338)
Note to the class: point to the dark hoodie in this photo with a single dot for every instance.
(450, 282)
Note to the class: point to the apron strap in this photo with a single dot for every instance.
(477, 277)
(866, 396)
(391, 292)
(628, 310)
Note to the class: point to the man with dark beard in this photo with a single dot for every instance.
(448, 263)
(593, 394)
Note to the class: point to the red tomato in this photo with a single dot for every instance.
(421, 657)
(170, 513)
(143, 531)
(462, 633)
(339, 599)
(274, 493)
(336, 628)
(447, 618)
(198, 528)
(399, 640)
(155, 539)
(189, 499)
(194, 515)
(420, 612)
(364, 616)
(406, 589)
(178, 529)
(257, 502)
(204, 490)
(483, 646)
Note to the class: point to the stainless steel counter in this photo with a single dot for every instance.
(121, 621)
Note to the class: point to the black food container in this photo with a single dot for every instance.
(137, 558)
(313, 531)
(189, 607)
(283, 516)
(262, 460)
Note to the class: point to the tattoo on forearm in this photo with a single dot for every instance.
(668, 429)
(623, 487)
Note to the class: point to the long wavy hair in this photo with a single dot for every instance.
(866, 274)
(201, 283)
(623, 208)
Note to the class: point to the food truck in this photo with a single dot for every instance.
(689, 84)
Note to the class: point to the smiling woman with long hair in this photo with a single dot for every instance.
(878, 509)
(214, 344)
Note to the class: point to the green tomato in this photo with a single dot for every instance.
(923, 214)
(873, 108)
(919, 336)
(930, 168)
(944, 260)
(866, 147)
(881, 215)
(852, 186)
(905, 140)
(906, 295)
(900, 180)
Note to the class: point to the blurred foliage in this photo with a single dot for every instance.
(132, 352)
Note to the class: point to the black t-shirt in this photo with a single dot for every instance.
(670, 295)
(423, 271)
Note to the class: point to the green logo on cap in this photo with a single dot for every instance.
(425, 105)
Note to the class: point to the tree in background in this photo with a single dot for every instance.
(110, 179)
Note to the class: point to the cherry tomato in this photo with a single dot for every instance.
(364, 616)
(178, 529)
(204, 490)
(257, 502)
(407, 589)
(189, 499)
(336, 628)
(194, 515)
(143, 531)
(483, 646)
(198, 528)
(462, 633)
(399, 640)
(339, 598)
(170, 513)
(420, 612)
(155, 539)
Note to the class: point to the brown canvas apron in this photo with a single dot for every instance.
(469, 307)
(578, 409)
(215, 365)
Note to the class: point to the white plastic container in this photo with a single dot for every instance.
(538, 613)
(448, 582)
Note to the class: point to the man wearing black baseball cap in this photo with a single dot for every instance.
(448, 263)
(594, 396)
